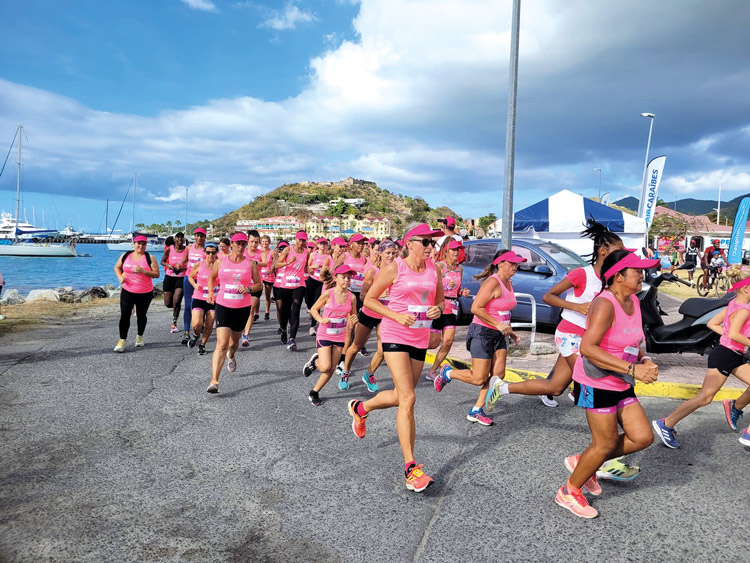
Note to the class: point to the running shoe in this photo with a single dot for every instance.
(667, 434)
(733, 414)
(369, 379)
(339, 369)
(120, 346)
(244, 342)
(548, 401)
(431, 375)
(279, 331)
(571, 397)
(493, 396)
(476, 414)
(192, 341)
(201, 350)
(617, 470)
(576, 503)
(213, 388)
(309, 367)
(312, 331)
(255, 317)
(315, 398)
(292, 345)
(592, 485)
(266, 317)
(284, 338)
(139, 342)
(185, 339)
(358, 422)
(344, 381)
(364, 352)
(443, 378)
(416, 480)
(231, 364)
(174, 329)
(745, 438)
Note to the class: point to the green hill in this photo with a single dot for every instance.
(306, 199)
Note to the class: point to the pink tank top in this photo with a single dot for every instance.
(294, 272)
(265, 271)
(335, 331)
(500, 307)
(727, 342)
(451, 285)
(384, 299)
(317, 264)
(412, 292)
(175, 259)
(233, 276)
(201, 278)
(195, 255)
(136, 282)
(622, 341)
(358, 265)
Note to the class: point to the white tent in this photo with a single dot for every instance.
(561, 217)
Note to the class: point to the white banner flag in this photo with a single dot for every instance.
(654, 172)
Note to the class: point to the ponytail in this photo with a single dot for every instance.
(601, 235)
(328, 279)
(491, 268)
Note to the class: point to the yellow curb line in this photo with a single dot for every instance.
(659, 389)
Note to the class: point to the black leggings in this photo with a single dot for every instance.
(141, 301)
(313, 290)
(291, 304)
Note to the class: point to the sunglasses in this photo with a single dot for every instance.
(425, 241)
(210, 253)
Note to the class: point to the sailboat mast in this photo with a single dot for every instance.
(106, 219)
(186, 209)
(18, 185)
(135, 185)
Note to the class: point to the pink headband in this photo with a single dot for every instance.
(739, 284)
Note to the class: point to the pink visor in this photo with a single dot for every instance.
(422, 230)
(282, 244)
(239, 237)
(302, 235)
(509, 256)
(371, 240)
(630, 261)
(344, 269)
(356, 238)
(739, 284)
(455, 245)
(199, 231)
(339, 241)
(140, 238)
(322, 241)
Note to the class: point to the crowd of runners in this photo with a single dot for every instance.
(407, 292)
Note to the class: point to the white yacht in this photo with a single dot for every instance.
(8, 228)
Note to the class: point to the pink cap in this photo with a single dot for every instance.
(371, 240)
(455, 244)
(311, 244)
(509, 256)
(199, 231)
(344, 269)
(340, 241)
(301, 235)
(449, 222)
(739, 284)
(357, 237)
(423, 230)
(239, 237)
(322, 240)
(630, 261)
(140, 238)
(282, 244)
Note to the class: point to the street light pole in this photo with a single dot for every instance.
(642, 203)
(510, 133)
(600, 183)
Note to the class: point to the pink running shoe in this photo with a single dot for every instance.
(592, 485)
(576, 503)
(477, 415)
(431, 375)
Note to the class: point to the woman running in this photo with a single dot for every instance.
(369, 320)
(339, 308)
(253, 252)
(293, 260)
(733, 324)
(237, 277)
(203, 311)
(136, 271)
(320, 261)
(443, 329)
(174, 261)
(357, 262)
(266, 271)
(195, 255)
(486, 336)
(416, 297)
(279, 277)
(604, 376)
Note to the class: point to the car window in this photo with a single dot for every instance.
(479, 255)
(533, 258)
(566, 258)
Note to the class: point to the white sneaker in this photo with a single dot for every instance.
(339, 369)
(120, 347)
(139, 343)
(548, 401)
(571, 397)
(312, 331)
(231, 364)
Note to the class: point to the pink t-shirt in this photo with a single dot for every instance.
(500, 307)
(412, 292)
(727, 342)
(335, 331)
(233, 276)
(622, 341)
(136, 282)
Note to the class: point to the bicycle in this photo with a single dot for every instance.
(716, 281)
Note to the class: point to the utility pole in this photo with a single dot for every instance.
(510, 134)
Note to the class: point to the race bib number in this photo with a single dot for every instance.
(336, 326)
(357, 280)
(385, 300)
(232, 292)
(503, 317)
(452, 306)
(420, 314)
(292, 281)
(630, 354)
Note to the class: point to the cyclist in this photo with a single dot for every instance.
(706, 259)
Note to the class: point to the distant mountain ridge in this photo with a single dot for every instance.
(690, 206)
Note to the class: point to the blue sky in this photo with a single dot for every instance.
(231, 99)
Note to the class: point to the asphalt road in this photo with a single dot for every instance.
(125, 457)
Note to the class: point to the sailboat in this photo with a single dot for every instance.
(17, 248)
(151, 246)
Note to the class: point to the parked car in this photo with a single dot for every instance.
(746, 257)
(547, 263)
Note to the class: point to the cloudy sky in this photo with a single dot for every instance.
(230, 99)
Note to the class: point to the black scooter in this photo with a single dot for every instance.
(689, 334)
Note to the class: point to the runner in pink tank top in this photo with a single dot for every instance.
(203, 313)
(357, 261)
(236, 277)
(253, 253)
(266, 272)
(319, 261)
(604, 376)
(174, 260)
(291, 290)
(486, 338)
(195, 254)
(416, 298)
(338, 309)
(136, 271)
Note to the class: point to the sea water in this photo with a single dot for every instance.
(25, 273)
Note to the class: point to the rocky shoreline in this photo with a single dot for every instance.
(66, 294)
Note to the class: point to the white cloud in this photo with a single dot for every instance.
(289, 18)
(202, 5)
